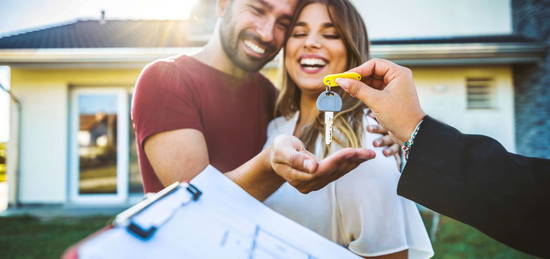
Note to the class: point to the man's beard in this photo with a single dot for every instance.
(230, 43)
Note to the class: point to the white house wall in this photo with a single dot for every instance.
(435, 18)
(44, 141)
(442, 93)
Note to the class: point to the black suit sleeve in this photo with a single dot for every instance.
(473, 179)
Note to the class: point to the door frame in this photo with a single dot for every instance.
(122, 161)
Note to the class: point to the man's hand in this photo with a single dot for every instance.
(387, 141)
(290, 160)
(388, 90)
(391, 148)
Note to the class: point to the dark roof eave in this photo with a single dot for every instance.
(499, 38)
(406, 54)
(462, 53)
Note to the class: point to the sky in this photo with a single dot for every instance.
(385, 18)
(23, 14)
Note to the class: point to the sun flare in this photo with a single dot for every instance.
(164, 9)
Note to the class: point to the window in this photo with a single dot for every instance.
(99, 145)
(480, 93)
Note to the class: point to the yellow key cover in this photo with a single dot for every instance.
(330, 80)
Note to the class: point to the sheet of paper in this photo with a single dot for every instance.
(225, 222)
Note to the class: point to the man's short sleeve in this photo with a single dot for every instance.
(163, 101)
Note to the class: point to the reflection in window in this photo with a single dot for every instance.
(97, 143)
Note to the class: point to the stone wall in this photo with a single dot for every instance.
(531, 18)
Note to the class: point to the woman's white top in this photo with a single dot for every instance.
(361, 210)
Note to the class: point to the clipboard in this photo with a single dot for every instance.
(126, 218)
(210, 217)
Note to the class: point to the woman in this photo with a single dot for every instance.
(361, 210)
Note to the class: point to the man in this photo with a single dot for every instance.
(471, 178)
(214, 107)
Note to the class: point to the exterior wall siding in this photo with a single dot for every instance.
(442, 93)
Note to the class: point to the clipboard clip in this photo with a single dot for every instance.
(126, 218)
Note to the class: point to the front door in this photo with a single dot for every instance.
(99, 145)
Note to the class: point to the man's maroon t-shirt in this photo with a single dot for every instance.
(183, 93)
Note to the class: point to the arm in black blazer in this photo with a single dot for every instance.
(473, 179)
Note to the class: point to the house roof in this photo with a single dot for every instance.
(170, 33)
(502, 38)
(107, 34)
(133, 43)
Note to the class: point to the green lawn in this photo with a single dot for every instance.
(458, 241)
(27, 237)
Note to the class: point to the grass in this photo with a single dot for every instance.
(28, 237)
(455, 240)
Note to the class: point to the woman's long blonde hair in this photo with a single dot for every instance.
(349, 121)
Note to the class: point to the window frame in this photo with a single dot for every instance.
(122, 161)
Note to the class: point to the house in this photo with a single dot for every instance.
(71, 140)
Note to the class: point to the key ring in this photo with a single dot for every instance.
(328, 90)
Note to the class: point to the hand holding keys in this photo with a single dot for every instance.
(330, 102)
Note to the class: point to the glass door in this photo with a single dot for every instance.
(99, 145)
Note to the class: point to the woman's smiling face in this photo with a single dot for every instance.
(314, 49)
